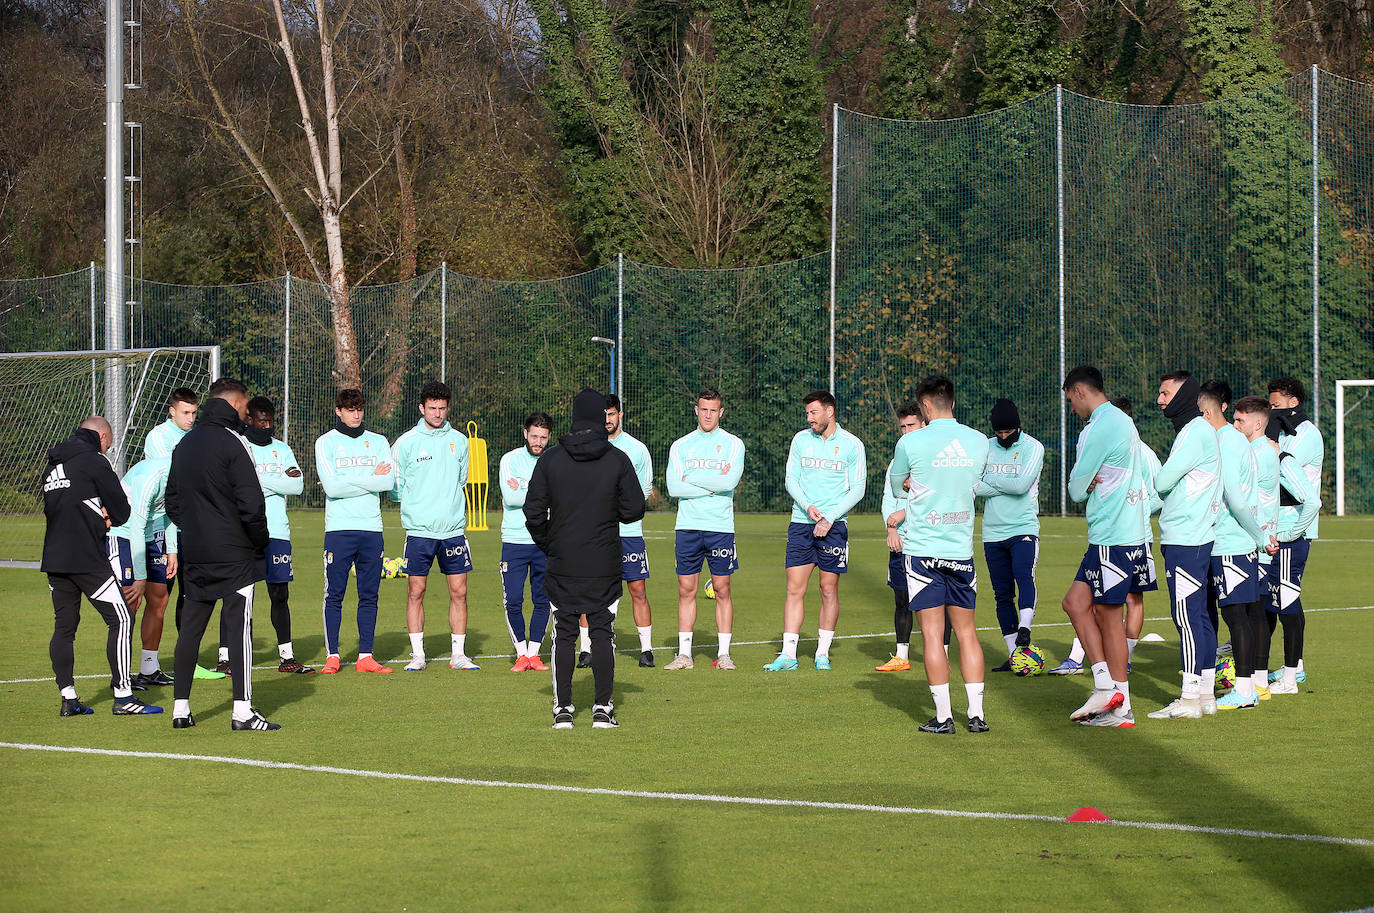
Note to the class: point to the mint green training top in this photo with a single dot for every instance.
(346, 468)
(633, 448)
(1190, 481)
(161, 440)
(703, 470)
(145, 484)
(1107, 455)
(944, 461)
(828, 472)
(516, 467)
(1238, 529)
(1296, 521)
(431, 467)
(1308, 447)
(1266, 490)
(1011, 485)
(272, 461)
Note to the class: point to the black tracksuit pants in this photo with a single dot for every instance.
(104, 593)
(601, 628)
(237, 614)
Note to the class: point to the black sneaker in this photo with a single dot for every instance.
(603, 716)
(183, 722)
(158, 679)
(1023, 637)
(294, 666)
(584, 660)
(646, 659)
(563, 717)
(222, 667)
(132, 706)
(256, 722)
(976, 724)
(135, 684)
(939, 727)
(72, 706)
(1005, 667)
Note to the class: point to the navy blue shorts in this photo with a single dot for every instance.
(830, 552)
(455, 557)
(1109, 571)
(1285, 577)
(278, 559)
(1235, 580)
(693, 546)
(1146, 579)
(896, 572)
(119, 553)
(634, 559)
(934, 582)
(156, 563)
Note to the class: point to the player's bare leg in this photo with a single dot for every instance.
(686, 620)
(933, 656)
(639, 603)
(1078, 605)
(415, 621)
(725, 620)
(1113, 640)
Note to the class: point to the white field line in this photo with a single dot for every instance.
(680, 797)
(401, 660)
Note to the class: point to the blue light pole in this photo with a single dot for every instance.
(610, 348)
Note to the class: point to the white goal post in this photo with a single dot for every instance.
(45, 395)
(1341, 412)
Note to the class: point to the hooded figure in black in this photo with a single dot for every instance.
(215, 499)
(580, 492)
(82, 498)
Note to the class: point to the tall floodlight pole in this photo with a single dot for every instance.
(114, 222)
(1316, 263)
(1059, 195)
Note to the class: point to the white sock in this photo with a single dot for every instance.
(789, 645)
(684, 643)
(904, 651)
(1027, 615)
(646, 637)
(584, 641)
(69, 693)
(148, 665)
(1245, 686)
(125, 696)
(242, 711)
(941, 695)
(1130, 647)
(1192, 686)
(1125, 690)
(975, 698)
(459, 644)
(1209, 682)
(364, 656)
(532, 647)
(723, 644)
(1290, 676)
(1011, 643)
(181, 708)
(224, 654)
(1300, 666)
(1102, 679)
(1260, 679)
(824, 637)
(285, 651)
(1076, 654)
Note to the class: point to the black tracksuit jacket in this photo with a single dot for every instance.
(579, 493)
(77, 483)
(216, 501)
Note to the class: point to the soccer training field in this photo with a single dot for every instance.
(445, 790)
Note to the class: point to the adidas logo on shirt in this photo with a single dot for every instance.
(954, 455)
(56, 479)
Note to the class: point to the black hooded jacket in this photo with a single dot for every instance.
(580, 492)
(77, 483)
(215, 499)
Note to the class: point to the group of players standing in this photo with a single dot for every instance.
(1238, 510)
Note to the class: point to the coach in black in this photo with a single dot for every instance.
(579, 493)
(214, 498)
(82, 497)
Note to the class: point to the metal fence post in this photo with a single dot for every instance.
(834, 196)
(620, 323)
(286, 365)
(1316, 262)
(1059, 193)
(95, 405)
(443, 321)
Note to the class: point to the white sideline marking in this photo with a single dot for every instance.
(681, 797)
(635, 651)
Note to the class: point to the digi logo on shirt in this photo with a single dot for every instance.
(826, 465)
(344, 462)
(717, 465)
(272, 469)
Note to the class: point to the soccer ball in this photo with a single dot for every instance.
(710, 589)
(1226, 674)
(393, 568)
(1028, 660)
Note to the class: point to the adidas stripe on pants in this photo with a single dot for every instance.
(237, 609)
(108, 599)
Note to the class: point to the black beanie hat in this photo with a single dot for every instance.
(1005, 417)
(589, 410)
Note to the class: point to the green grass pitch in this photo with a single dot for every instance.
(109, 832)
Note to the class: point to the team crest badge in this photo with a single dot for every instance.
(367, 445)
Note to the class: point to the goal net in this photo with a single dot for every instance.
(45, 395)
(1354, 447)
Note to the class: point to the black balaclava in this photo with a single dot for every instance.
(589, 411)
(1288, 419)
(1005, 417)
(260, 436)
(1274, 428)
(346, 431)
(1182, 409)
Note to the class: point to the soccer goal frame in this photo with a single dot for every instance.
(1341, 412)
